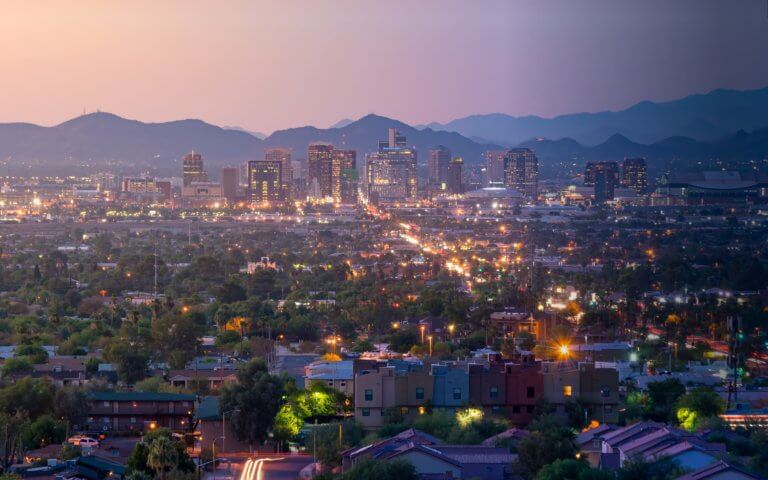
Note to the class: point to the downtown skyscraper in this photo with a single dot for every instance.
(332, 173)
(391, 172)
(437, 167)
(521, 171)
(282, 155)
(265, 183)
(193, 169)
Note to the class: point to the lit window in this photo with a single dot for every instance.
(567, 390)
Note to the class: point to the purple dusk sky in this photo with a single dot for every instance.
(265, 65)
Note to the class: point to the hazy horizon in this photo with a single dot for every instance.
(264, 66)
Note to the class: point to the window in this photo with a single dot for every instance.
(404, 410)
(343, 384)
(495, 409)
(605, 392)
(106, 403)
(494, 392)
(330, 384)
(529, 409)
(457, 394)
(133, 419)
(368, 395)
(515, 408)
(105, 419)
(419, 393)
(567, 390)
(530, 392)
(609, 409)
(366, 412)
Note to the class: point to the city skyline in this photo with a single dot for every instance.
(214, 58)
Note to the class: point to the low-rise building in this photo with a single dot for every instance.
(138, 412)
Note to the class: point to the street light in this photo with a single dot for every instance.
(451, 328)
(422, 327)
(223, 425)
(430, 345)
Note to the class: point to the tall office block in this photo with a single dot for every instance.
(634, 174)
(391, 172)
(521, 171)
(437, 167)
(193, 169)
(265, 182)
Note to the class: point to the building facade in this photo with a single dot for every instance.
(391, 172)
(193, 169)
(437, 167)
(521, 171)
(139, 412)
(265, 183)
(634, 174)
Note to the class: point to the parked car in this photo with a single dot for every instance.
(83, 441)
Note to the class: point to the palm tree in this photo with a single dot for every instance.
(162, 456)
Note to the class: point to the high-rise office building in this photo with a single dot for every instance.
(494, 167)
(229, 182)
(391, 172)
(332, 173)
(320, 170)
(604, 176)
(521, 171)
(634, 174)
(591, 169)
(265, 183)
(193, 170)
(437, 167)
(282, 155)
(344, 185)
(453, 182)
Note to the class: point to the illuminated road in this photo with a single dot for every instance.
(274, 468)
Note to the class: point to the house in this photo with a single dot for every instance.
(336, 375)
(137, 412)
(595, 387)
(188, 378)
(434, 460)
(652, 441)
(720, 471)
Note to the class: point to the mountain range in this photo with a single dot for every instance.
(701, 117)
(104, 141)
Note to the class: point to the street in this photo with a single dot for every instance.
(266, 467)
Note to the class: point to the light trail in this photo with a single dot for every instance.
(253, 469)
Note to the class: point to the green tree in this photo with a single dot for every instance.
(44, 430)
(130, 359)
(329, 445)
(31, 395)
(13, 427)
(549, 440)
(139, 459)
(382, 470)
(162, 456)
(71, 404)
(176, 338)
(663, 395)
(254, 400)
(700, 404)
(570, 469)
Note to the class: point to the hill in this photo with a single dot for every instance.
(701, 117)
